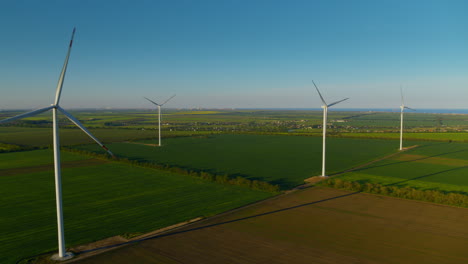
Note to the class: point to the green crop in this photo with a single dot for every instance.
(280, 160)
(100, 199)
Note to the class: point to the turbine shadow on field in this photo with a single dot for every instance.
(427, 175)
(411, 160)
(218, 224)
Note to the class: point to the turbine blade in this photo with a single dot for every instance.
(409, 108)
(168, 100)
(337, 102)
(78, 124)
(319, 93)
(28, 114)
(151, 101)
(64, 70)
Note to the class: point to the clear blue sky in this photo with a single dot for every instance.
(235, 53)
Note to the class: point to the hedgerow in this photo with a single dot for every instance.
(222, 179)
(434, 196)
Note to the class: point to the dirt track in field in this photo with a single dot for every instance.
(49, 167)
(313, 225)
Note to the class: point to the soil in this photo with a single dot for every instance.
(312, 225)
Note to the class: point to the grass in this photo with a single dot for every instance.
(282, 160)
(100, 199)
(434, 166)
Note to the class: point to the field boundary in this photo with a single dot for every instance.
(98, 247)
(106, 245)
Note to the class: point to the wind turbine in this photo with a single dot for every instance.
(159, 114)
(324, 127)
(62, 255)
(402, 108)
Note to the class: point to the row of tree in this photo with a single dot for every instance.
(434, 196)
(4, 147)
(222, 179)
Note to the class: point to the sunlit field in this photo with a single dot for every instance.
(282, 160)
(100, 199)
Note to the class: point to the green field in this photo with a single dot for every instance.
(42, 137)
(432, 166)
(121, 125)
(426, 136)
(282, 160)
(100, 198)
(27, 159)
(254, 120)
(412, 120)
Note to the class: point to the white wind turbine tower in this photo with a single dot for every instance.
(402, 108)
(324, 126)
(159, 114)
(62, 255)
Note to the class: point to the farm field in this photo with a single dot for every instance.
(433, 166)
(101, 199)
(426, 136)
(314, 225)
(412, 120)
(123, 125)
(255, 120)
(42, 137)
(281, 160)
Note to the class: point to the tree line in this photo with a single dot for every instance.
(218, 178)
(434, 196)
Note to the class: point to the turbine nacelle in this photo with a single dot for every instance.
(159, 105)
(325, 105)
(402, 107)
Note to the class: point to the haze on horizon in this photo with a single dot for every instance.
(235, 54)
